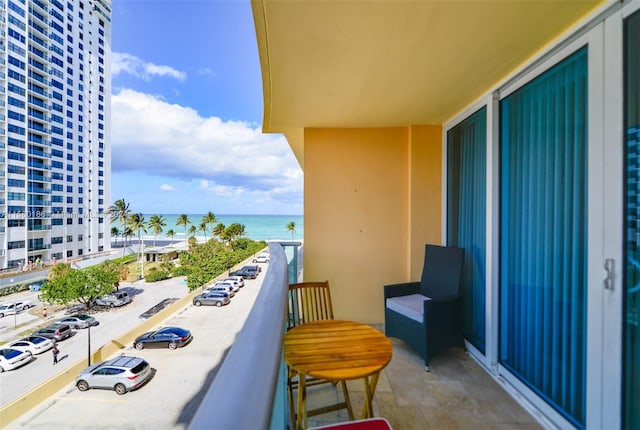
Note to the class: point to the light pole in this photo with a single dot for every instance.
(89, 345)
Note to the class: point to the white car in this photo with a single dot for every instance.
(233, 284)
(8, 309)
(13, 358)
(33, 344)
(24, 305)
(227, 288)
(238, 279)
(261, 259)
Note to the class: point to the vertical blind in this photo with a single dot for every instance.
(543, 227)
(466, 214)
(631, 386)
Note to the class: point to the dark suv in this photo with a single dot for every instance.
(245, 273)
(56, 332)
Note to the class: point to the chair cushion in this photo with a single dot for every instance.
(410, 306)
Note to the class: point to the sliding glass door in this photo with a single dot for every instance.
(543, 235)
(631, 365)
(466, 215)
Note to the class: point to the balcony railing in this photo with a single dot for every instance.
(257, 349)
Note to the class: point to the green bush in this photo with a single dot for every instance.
(6, 290)
(156, 275)
(180, 271)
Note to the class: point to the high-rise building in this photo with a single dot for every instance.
(55, 155)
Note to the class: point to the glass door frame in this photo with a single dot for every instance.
(603, 33)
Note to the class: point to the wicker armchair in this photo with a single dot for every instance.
(427, 314)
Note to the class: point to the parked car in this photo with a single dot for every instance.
(244, 273)
(212, 298)
(233, 284)
(167, 337)
(79, 321)
(56, 332)
(33, 344)
(11, 358)
(157, 308)
(11, 308)
(238, 279)
(261, 259)
(121, 374)
(8, 309)
(254, 268)
(24, 305)
(119, 298)
(226, 288)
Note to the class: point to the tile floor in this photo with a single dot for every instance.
(456, 394)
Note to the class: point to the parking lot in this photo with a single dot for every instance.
(181, 376)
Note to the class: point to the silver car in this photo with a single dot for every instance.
(79, 321)
(121, 374)
(217, 298)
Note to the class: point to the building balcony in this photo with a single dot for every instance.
(456, 393)
(40, 247)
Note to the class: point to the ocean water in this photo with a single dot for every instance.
(257, 227)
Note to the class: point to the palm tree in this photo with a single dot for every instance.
(115, 232)
(292, 228)
(156, 222)
(171, 234)
(203, 228)
(119, 211)
(127, 233)
(209, 218)
(136, 222)
(183, 219)
(218, 230)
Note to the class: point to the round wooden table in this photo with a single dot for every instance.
(336, 350)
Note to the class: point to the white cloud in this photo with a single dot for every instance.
(127, 63)
(167, 187)
(230, 159)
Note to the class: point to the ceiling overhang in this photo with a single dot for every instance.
(393, 62)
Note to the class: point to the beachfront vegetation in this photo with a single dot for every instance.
(66, 285)
(207, 260)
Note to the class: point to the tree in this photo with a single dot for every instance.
(183, 220)
(209, 218)
(203, 228)
(136, 222)
(119, 211)
(59, 270)
(292, 228)
(192, 230)
(171, 234)
(127, 234)
(233, 232)
(156, 222)
(115, 231)
(67, 285)
(218, 230)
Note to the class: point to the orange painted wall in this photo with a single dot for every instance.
(361, 227)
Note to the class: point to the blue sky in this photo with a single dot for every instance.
(186, 113)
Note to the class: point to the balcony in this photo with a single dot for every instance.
(456, 393)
